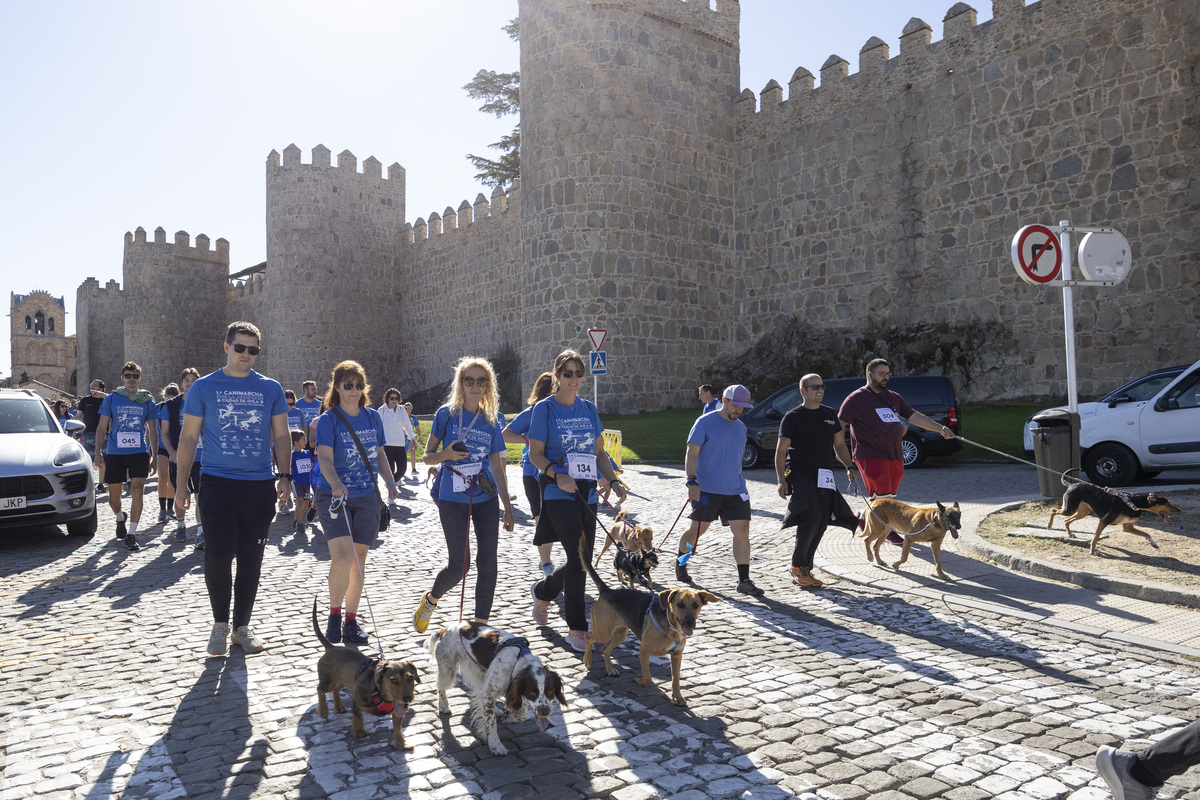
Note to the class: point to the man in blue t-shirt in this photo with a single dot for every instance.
(715, 484)
(309, 407)
(241, 415)
(709, 400)
(127, 446)
(295, 416)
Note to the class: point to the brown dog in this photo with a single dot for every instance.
(662, 623)
(1082, 499)
(377, 687)
(634, 538)
(913, 524)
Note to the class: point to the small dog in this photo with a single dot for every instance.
(914, 525)
(632, 567)
(494, 666)
(377, 687)
(661, 622)
(1082, 499)
(634, 538)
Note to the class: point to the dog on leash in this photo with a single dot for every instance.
(1082, 499)
(495, 666)
(662, 623)
(632, 567)
(634, 538)
(377, 687)
(913, 524)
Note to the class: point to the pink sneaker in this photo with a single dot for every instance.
(541, 608)
(578, 640)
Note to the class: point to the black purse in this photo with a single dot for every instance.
(385, 516)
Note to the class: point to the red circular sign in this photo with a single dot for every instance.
(1037, 254)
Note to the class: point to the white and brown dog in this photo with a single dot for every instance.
(494, 666)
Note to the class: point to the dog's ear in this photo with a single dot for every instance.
(514, 697)
(411, 669)
(707, 597)
(941, 507)
(554, 687)
(956, 505)
(665, 599)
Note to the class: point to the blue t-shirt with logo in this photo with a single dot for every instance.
(295, 419)
(236, 427)
(565, 430)
(482, 437)
(302, 467)
(722, 443)
(309, 410)
(359, 478)
(164, 416)
(520, 426)
(128, 432)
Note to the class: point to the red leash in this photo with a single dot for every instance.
(673, 524)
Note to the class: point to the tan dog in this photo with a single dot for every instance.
(634, 538)
(662, 624)
(377, 687)
(1082, 499)
(913, 524)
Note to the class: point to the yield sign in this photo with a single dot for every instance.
(597, 336)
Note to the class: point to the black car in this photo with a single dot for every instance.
(932, 395)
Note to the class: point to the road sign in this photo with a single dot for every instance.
(1105, 257)
(1037, 254)
(597, 336)
(599, 362)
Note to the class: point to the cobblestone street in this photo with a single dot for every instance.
(853, 691)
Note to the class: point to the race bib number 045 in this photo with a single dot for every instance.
(129, 440)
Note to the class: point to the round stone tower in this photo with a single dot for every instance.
(627, 185)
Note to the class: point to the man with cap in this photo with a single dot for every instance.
(715, 484)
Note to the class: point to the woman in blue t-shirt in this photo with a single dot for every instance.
(565, 445)
(467, 444)
(344, 475)
(517, 433)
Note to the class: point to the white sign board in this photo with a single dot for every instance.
(1104, 257)
(599, 362)
(597, 336)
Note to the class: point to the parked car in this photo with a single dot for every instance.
(45, 475)
(1136, 391)
(1140, 438)
(932, 395)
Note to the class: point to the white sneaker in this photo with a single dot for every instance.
(217, 640)
(244, 637)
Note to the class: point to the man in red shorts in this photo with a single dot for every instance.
(877, 420)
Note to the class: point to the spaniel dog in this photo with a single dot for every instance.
(495, 666)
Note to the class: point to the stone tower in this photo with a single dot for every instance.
(40, 348)
(175, 303)
(100, 331)
(627, 186)
(332, 238)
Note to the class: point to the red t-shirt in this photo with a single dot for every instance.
(877, 423)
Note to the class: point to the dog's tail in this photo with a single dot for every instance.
(317, 627)
(600, 584)
(622, 515)
(432, 643)
(1068, 481)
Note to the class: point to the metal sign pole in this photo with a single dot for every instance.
(1069, 316)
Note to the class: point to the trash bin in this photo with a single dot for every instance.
(1055, 447)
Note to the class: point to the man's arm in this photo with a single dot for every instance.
(689, 468)
(102, 436)
(922, 421)
(184, 456)
(839, 447)
(781, 448)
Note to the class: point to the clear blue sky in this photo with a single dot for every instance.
(119, 114)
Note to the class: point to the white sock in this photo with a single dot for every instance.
(132, 528)
(199, 529)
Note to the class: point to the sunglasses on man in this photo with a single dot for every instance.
(241, 348)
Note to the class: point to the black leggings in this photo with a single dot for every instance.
(485, 518)
(398, 460)
(569, 522)
(1169, 756)
(236, 516)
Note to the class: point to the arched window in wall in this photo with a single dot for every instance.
(28, 323)
(50, 324)
(39, 323)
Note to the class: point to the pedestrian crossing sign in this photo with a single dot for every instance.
(599, 362)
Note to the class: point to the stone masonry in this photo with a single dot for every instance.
(691, 220)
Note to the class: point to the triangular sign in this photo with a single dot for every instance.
(597, 336)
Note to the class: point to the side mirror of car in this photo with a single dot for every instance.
(1121, 398)
(1162, 404)
(773, 413)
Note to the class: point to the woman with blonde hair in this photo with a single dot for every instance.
(517, 433)
(467, 444)
(346, 477)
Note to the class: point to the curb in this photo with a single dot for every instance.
(973, 544)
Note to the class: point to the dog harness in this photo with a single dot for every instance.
(675, 643)
(382, 707)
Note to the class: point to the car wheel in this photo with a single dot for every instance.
(1111, 464)
(83, 527)
(751, 456)
(913, 450)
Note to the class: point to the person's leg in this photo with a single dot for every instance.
(216, 507)
(364, 524)
(533, 493)
(137, 488)
(254, 515)
(114, 497)
(564, 519)
(486, 517)
(574, 580)
(401, 465)
(454, 528)
(1172, 755)
(825, 506)
(341, 565)
(691, 535)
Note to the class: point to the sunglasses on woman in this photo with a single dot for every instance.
(469, 381)
(393, 399)
(241, 348)
(347, 386)
(569, 373)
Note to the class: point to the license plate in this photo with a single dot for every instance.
(11, 503)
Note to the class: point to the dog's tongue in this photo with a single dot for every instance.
(954, 533)
(543, 722)
(688, 631)
(1165, 517)
(399, 710)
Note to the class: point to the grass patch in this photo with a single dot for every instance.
(998, 427)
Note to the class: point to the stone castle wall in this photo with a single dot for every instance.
(894, 193)
(99, 333)
(176, 299)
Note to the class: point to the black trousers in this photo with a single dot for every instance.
(236, 516)
(811, 524)
(398, 460)
(1171, 755)
(569, 523)
(485, 517)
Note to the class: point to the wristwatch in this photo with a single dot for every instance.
(287, 475)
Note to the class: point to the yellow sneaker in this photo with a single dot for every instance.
(423, 613)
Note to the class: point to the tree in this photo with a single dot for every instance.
(501, 93)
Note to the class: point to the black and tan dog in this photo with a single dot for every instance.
(913, 524)
(633, 537)
(661, 622)
(1082, 499)
(378, 687)
(633, 567)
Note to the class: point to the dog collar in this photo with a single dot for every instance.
(519, 642)
(382, 707)
(654, 619)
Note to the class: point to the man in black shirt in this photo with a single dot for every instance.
(810, 435)
(89, 415)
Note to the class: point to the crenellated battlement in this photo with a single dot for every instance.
(248, 287)
(715, 19)
(481, 212)
(181, 247)
(93, 287)
(346, 161)
(920, 61)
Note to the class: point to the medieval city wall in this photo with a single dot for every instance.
(892, 195)
(176, 295)
(99, 333)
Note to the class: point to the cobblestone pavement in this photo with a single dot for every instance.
(849, 692)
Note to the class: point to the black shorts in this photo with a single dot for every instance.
(533, 493)
(193, 479)
(302, 491)
(119, 467)
(728, 507)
